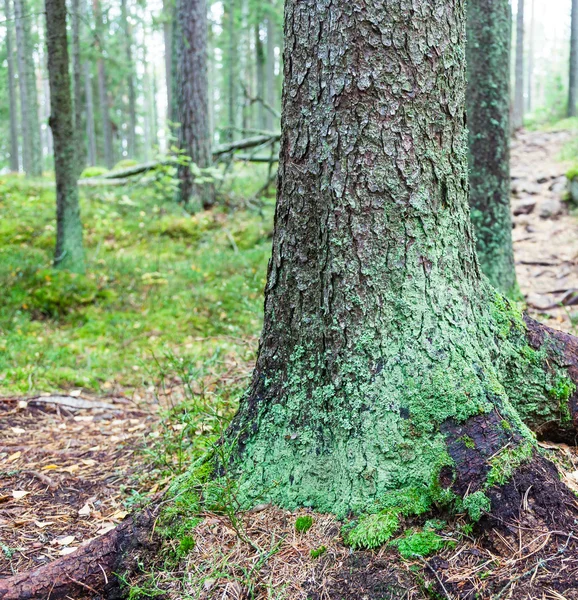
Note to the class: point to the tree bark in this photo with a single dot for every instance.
(14, 158)
(131, 137)
(518, 113)
(168, 10)
(573, 73)
(31, 147)
(232, 83)
(260, 74)
(89, 104)
(488, 104)
(530, 78)
(193, 101)
(385, 360)
(102, 89)
(69, 252)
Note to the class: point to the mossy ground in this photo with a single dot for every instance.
(158, 282)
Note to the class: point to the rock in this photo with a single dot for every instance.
(543, 179)
(530, 188)
(551, 207)
(525, 207)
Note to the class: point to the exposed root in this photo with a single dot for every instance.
(89, 570)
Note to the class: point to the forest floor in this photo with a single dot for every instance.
(103, 402)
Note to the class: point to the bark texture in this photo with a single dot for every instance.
(14, 158)
(573, 73)
(131, 135)
(77, 85)
(385, 359)
(518, 112)
(488, 108)
(31, 147)
(69, 252)
(193, 101)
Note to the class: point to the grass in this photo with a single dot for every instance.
(159, 283)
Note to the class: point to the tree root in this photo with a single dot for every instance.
(90, 571)
(562, 351)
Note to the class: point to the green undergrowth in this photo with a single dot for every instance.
(159, 280)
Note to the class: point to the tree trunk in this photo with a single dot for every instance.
(69, 252)
(231, 72)
(90, 133)
(102, 89)
(530, 79)
(193, 101)
(573, 74)
(387, 364)
(14, 158)
(168, 10)
(488, 107)
(518, 113)
(260, 70)
(77, 85)
(31, 147)
(131, 137)
(270, 98)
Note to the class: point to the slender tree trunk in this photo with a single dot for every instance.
(530, 78)
(168, 10)
(90, 132)
(131, 136)
(14, 158)
(193, 101)
(383, 370)
(102, 89)
(69, 252)
(518, 113)
(488, 102)
(260, 69)
(31, 146)
(270, 66)
(573, 74)
(232, 94)
(77, 84)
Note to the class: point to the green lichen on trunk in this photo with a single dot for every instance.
(488, 109)
(380, 347)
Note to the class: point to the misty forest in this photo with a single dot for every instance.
(289, 299)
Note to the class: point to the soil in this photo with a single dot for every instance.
(68, 473)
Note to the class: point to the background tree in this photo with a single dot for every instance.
(192, 100)
(14, 158)
(69, 252)
(573, 63)
(518, 112)
(488, 108)
(129, 67)
(31, 147)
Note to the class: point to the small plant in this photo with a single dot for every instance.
(303, 524)
(507, 461)
(419, 543)
(186, 544)
(476, 504)
(317, 552)
(371, 531)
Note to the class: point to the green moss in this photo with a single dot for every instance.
(93, 172)
(507, 461)
(467, 441)
(186, 544)
(303, 524)
(317, 552)
(372, 531)
(505, 425)
(417, 543)
(572, 172)
(476, 504)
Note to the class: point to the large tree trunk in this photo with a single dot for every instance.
(488, 107)
(131, 137)
(518, 112)
(102, 89)
(69, 253)
(31, 146)
(386, 361)
(193, 100)
(14, 158)
(573, 74)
